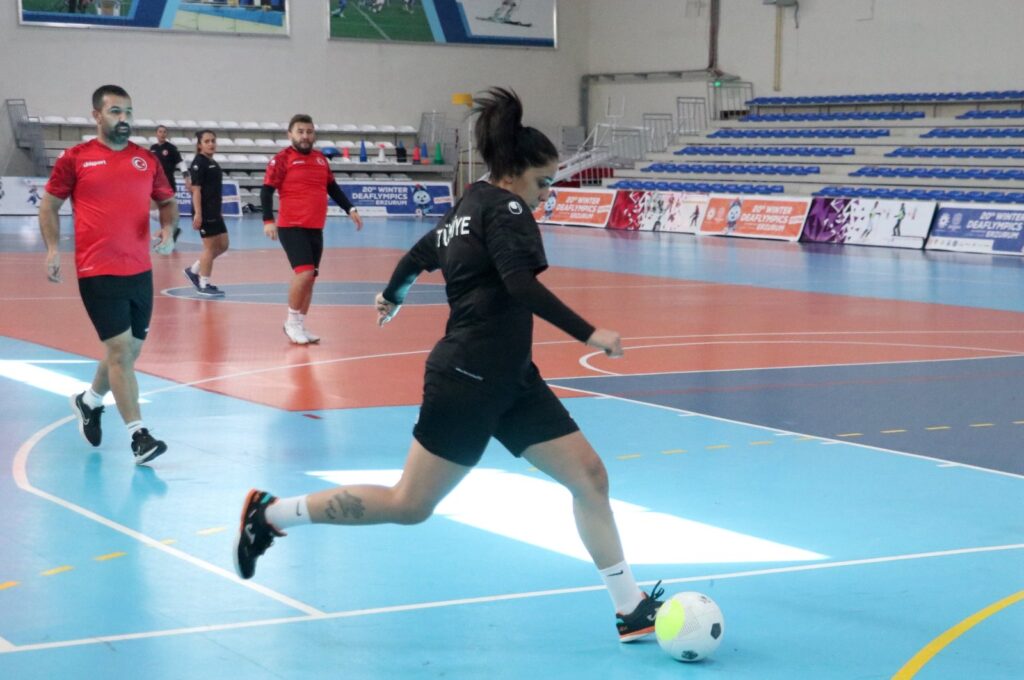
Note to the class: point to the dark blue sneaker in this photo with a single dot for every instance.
(193, 278)
(88, 419)
(255, 533)
(210, 290)
(640, 623)
(146, 447)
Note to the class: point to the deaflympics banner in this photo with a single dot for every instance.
(230, 201)
(578, 207)
(780, 218)
(869, 222)
(658, 211)
(978, 228)
(22, 195)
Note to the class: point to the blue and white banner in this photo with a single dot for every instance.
(22, 195)
(392, 199)
(231, 203)
(978, 228)
(241, 17)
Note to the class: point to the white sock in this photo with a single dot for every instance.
(204, 281)
(288, 512)
(134, 426)
(622, 587)
(294, 316)
(92, 399)
(195, 267)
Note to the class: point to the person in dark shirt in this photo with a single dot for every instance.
(206, 186)
(170, 160)
(480, 379)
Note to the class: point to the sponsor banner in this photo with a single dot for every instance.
(22, 195)
(658, 211)
(391, 199)
(445, 22)
(231, 203)
(869, 222)
(777, 217)
(241, 17)
(978, 228)
(578, 207)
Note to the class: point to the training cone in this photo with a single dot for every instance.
(438, 156)
(362, 151)
(416, 154)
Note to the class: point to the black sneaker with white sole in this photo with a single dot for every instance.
(209, 290)
(192, 277)
(146, 447)
(88, 419)
(640, 623)
(255, 533)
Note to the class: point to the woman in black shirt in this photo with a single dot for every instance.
(207, 182)
(480, 379)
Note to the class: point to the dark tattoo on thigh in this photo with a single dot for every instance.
(344, 505)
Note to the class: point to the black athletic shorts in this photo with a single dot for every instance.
(304, 247)
(214, 227)
(118, 303)
(460, 414)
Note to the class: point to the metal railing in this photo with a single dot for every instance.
(660, 129)
(729, 98)
(691, 115)
(28, 134)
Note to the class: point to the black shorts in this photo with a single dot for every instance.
(214, 227)
(459, 415)
(118, 303)
(304, 247)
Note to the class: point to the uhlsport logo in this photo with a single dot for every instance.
(140, 163)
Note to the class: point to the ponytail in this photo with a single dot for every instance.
(508, 148)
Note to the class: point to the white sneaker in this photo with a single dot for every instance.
(312, 337)
(295, 333)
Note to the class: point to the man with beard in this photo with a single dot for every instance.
(111, 181)
(304, 178)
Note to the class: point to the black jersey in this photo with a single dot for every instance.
(169, 157)
(207, 175)
(487, 236)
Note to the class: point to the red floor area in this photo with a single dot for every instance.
(240, 349)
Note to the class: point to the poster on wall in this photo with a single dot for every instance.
(869, 221)
(977, 228)
(779, 218)
(392, 199)
(658, 211)
(577, 207)
(241, 17)
(22, 195)
(519, 23)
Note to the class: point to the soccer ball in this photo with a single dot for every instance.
(689, 626)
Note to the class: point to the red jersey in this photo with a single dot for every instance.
(110, 192)
(302, 180)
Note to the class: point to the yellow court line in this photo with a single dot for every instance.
(939, 427)
(629, 455)
(911, 668)
(717, 446)
(892, 431)
(765, 442)
(805, 439)
(110, 556)
(210, 531)
(169, 541)
(669, 452)
(850, 434)
(8, 584)
(982, 424)
(56, 570)
(1018, 422)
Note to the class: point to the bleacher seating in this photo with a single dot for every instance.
(828, 117)
(891, 98)
(811, 133)
(698, 187)
(992, 114)
(809, 151)
(974, 133)
(955, 152)
(733, 169)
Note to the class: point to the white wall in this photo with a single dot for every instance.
(178, 75)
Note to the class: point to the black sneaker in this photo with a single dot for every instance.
(193, 278)
(210, 290)
(640, 623)
(255, 533)
(88, 419)
(145, 447)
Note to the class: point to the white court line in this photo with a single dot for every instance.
(7, 646)
(785, 433)
(497, 598)
(19, 471)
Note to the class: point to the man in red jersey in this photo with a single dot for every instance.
(110, 182)
(304, 178)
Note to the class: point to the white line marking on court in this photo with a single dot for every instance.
(497, 598)
(7, 646)
(19, 470)
(782, 433)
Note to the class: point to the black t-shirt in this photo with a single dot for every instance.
(169, 158)
(487, 236)
(207, 175)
